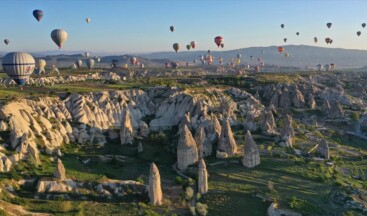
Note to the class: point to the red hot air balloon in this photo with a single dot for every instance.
(218, 40)
(280, 49)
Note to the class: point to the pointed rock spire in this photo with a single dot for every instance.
(126, 131)
(287, 133)
(227, 143)
(60, 170)
(251, 156)
(187, 152)
(154, 188)
(202, 178)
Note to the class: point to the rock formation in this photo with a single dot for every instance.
(187, 152)
(202, 178)
(323, 149)
(298, 100)
(60, 171)
(154, 188)
(285, 99)
(204, 144)
(251, 156)
(311, 103)
(335, 110)
(140, 147)
(268, 124)
(144, 129)
(127, 131)
(287, 133)
(227, 143)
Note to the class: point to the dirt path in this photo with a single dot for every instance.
(17, 210)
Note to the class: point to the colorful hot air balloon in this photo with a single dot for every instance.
(86, 54)
(363, 25)
(315, 39)
(19, 66)
(209, 59)
(239, 56)
(285, 40)
(332, 66)
(286, 55)
(87, 20)
(327, 40)
(297, 33)
(218, 40)
(188, 46)
(193, 44)
(282, 25)
(59, 36)
(6, 41)
(38, 14)
(238, 61)
(329, 25)
(79, 63)
(358, 33)
(90, 63)
(176, 47)
(222, 45)
(280, 49)
(172, 28)
(133, 60)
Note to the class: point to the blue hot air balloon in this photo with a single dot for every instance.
(38, 14)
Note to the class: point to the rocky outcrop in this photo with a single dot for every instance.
(273, 210)
(154, 188)
(202, 177)
(144, 129)
(287, 133)
(268, 123)
(323, 149)
(298, 100)
(285, 99)
(251, 155)
(227, 143)
(126, 131)
(60, 170)
(311, 103)
(335, 111)
(187, 152)
(203, 143)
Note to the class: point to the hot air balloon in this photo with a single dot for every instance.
(142, 66)
(363, 25)
(329, 25)
(331, 41)
(332, 66)
(252, 57)
(41, 64)
(358, 33)
(126, 66)
(218, 40)
(172, 28)
(238, 61)
(257, 68)
(174, 65)
(285, 40)
(286, 55)
(297, 33)
(73, 66)
(6, 41)
(38, 14)
(188, 46)
(59, 36)
(90, 63)
(166, 64)
(280, 49)
(133, 60)
(114, 63)
(315, 39)
(194, 60)
(19, 66)
(209, 59)
(86, 54)
(327, 40)
(202, 58)
(282, 25)
(98, 60)
(79, 63)
(239, 56)
(209, 51)
(319, 67)
(220, 60)
(193, 44)
(222, 45)
(87, 20)
(176, 47)
(327, 67)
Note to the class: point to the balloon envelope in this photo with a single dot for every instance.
(87, 20)
(176, 47)
(86, 54)
(188, 46)
(90, 63)
(133, 60)
(363, 25)
(38, 14)
(193, 44)
(79, 63)
(41, 63)
(280, 49)
(6, 41)
(315, 39)
(172, 28)
(329, 25)
(358, 33)
(19, 66)
(59, 36)
(218, 40)
(282, 25)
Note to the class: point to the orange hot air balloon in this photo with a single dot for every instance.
(280, 49)
(218, 40)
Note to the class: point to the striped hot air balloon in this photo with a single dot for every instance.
(59, 36)
(19, 66)
(280, 49)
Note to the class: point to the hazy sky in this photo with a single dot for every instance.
(130, 26)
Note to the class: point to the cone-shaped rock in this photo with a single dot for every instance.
(227, 143)
(60, 170)
(155, 190)
(288, 131)
(251, 156)
(187, 152)
(127, 131)
(202, 178)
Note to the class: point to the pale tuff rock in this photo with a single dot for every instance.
(3, 126)
(311, 103)
(335, 110)
(1, 165)
(298, 100)
(220, 154)
(54, 186)
(202, 177)
(257, 96)
(60, 170)
(7, 164)
(323, 149)
(227, 143)
(204, 144)
(186, 120)
(285, 99)
(269, 125)
(140, 147)
(273, 210)
(326, 106)
(187, 152)
(275, 99)
(126, 131)
(287, 133)
(251, 156)
(155, 190)
(144, 129)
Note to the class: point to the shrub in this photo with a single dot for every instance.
(201, 209)
(189, 193)
(140, 180)
(178, 180)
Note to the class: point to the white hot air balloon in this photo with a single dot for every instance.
(79, 63)
(73, 66)
(90, 63)
(19, 66)
(59, 36)
(87, 20)
(86, 54)
(41, 66)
